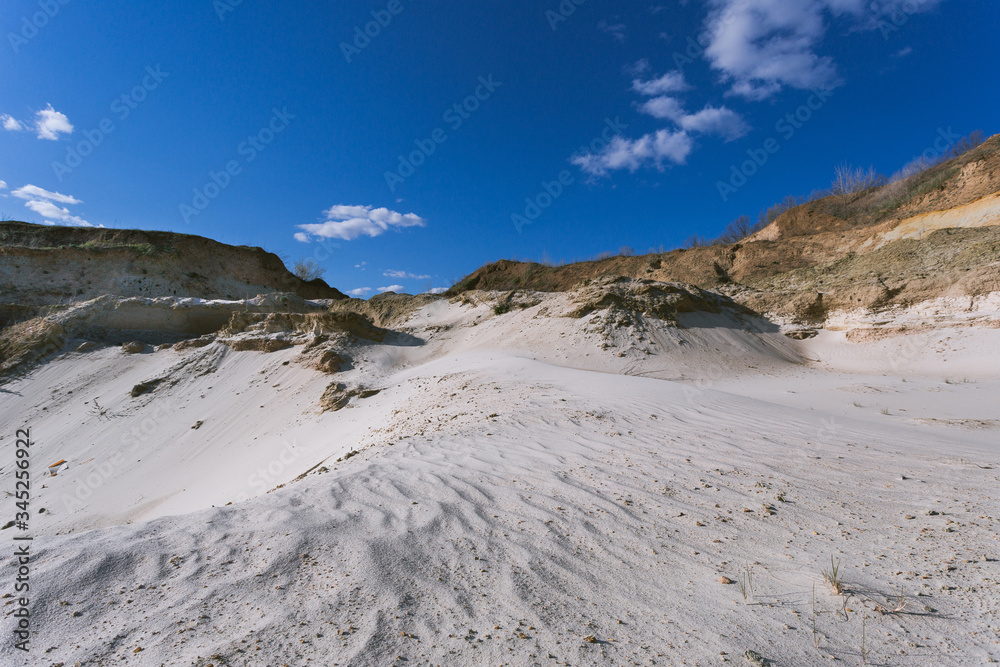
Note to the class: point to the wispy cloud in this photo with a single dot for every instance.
(404, 275)
(360, 292)
(671, 82)
(638, 68)
(616, 30)
(35, 192)
(391, 288)
(351, 222)
(437, 290)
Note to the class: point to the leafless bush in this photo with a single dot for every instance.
(696, 241)
(922, 163)
(308, 270)
(771, 213)
(966, 144)
(906, 182)
(850, 180)
(736, 231)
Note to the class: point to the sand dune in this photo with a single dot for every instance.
(521, 495)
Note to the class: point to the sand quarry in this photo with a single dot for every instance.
(522, 488)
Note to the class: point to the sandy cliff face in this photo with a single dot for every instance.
(57, 265)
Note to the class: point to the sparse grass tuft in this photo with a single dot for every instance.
(744, 580)
(98, 411)
(900, 600)
(895, 605)
(832, 576)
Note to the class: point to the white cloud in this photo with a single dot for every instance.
(616, 30)
(668, 144)
(711, 120)
(437, 290)
(391, 288)
(3, 185)
(41, 201)
(35, 192)
(50, 211)
(721, 121)
(51, 123)
(360, 292)
(639, 67)
(351, 222)
(761, 47)
(671, 82)
(663, 107)
(302, 237)
(630, 154)
(404, 275)
(11, 124)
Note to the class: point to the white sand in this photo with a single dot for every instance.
(518, 489)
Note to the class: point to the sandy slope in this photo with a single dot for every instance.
(521, 487)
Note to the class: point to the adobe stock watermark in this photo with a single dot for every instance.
(266, 477)
(31, 25)
(363, 36)
(786, 127)
(892, 21)
(102, 473)
(248, 150)
(943, 142)
(223, 7)
(122, 107)
(455, 116)
(552, 190)
(562, 13)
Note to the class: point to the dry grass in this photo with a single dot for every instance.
(27, 341)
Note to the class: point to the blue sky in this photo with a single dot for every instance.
(458, 133)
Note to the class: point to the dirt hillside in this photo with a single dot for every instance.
(934, 234)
